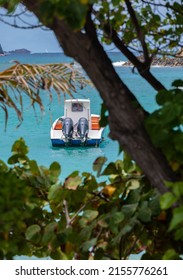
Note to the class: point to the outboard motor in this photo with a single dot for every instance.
(67, 129)
(82, 129)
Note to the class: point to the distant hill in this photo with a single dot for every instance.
(20, 51)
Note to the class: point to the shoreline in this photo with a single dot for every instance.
(160, 62)
(124, 64)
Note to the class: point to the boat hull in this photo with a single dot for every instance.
(95, 138)
(76, 143)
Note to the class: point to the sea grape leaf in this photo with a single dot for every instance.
(127, 163)
(87, 217)
(163, 96)
(89, 244)
(73, 181)
(55, 169)
(133, 197)
(91, 183)
(98, 164)
(178, 141)
(58, 255)
(133, 184)
(34, 167)
(55, 193)
(33, 233)
(20, 147)
(110, 169)
(179, 234)
(170, 254)
(129, 210)
(154, 205)
(117, 217)
(177, 188)
(17, 158)
(49, 232)
(3, 166)
(177, 218)
(167, 200)
(144, 212)
(177, 83)
(90, 215)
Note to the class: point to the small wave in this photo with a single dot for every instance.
(76, 65)
(118, 63)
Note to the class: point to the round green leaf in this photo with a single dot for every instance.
(167, 200)
(33, 233)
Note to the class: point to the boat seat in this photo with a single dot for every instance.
(95, 123)
(58, 125)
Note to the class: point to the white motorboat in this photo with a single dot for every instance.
(77, 127)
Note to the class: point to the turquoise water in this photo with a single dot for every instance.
(36, 132)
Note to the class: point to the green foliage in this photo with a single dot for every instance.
(73, 11)
(10, 5)
(33, 233)
(162, 30)
(81, 217)
(174, 198)
(23, 197)
(168, 121)
(165, 127)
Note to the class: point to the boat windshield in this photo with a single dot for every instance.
(77, 107)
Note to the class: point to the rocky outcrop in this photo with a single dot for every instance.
(163, 61)
(20, 51)
(180, 53)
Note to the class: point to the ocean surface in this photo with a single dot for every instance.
(36, 130)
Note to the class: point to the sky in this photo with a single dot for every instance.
(35, 40)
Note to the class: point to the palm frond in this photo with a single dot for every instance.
(29, 79)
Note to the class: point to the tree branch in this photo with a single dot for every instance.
(21, 26)
(141, 66)
(67, 217)
(139, 31)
